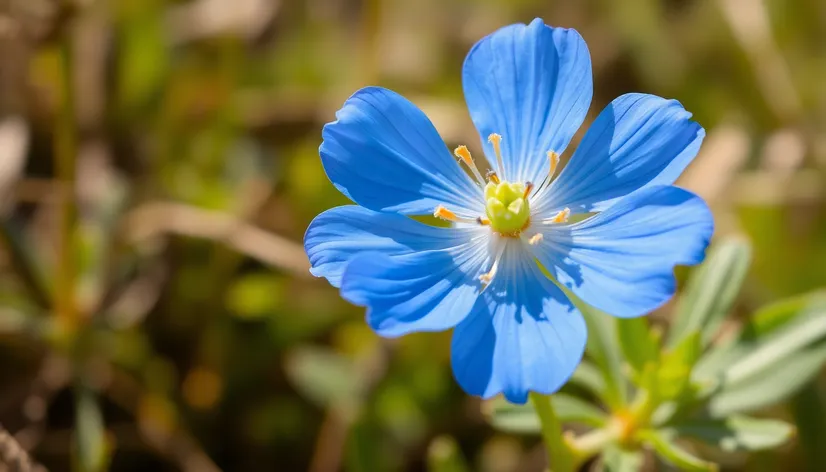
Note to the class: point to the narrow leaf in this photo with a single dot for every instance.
(779, 346)
(711, 291)
(772, 317)
(90, 440)
(675, 369)
(738, 433)
(616, 459)
(773, 385)
(663, 444)
(522, 419)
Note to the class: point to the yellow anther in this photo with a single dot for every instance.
(528, 188)
(487, 278)
(496, 140)
(493, 177)
(462, 153)
(535, 239)
(483, 221)
(554, 158)
(445, 214)
(561, 217)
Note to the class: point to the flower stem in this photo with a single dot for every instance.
(559, 454)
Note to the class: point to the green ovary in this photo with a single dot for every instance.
(506, 207)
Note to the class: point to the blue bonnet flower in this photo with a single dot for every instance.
(528, 89)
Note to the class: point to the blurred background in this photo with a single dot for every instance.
(158, 167)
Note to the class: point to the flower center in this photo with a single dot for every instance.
(506, 206)
(507, 211)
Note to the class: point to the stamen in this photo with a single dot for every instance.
(444, 213)
(493, 177)
(487, 278)
(535, 239)
(554, 158)
(528, 188)
(462, 153)
(447, 215)
(561, 217)
(496, 140)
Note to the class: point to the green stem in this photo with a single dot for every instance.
(559, 454)
(65, 162)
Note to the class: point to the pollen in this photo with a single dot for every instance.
(535, 239)
(444, 213)
(462, 153)
(561, 217)
(554, 158)
(496, 141)
(487, 278)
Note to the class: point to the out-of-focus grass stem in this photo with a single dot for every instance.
(65, 156)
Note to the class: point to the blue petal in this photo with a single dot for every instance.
(532, 85)
(337, 235)
(522, 335)
(421, 291)
(637, 141)
(384, 154)
(622, 260)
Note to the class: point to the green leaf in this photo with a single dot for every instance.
(711, 291)
(663, 444)
(738, 433)
(774, 384)
(675, 369)
(765, 322)
(443, 455)
(774, 316)
(774, 356)
(522, 419)
(637, 342)
(616, 459)
(778, 346)
(91, 454)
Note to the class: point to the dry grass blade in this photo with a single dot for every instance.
(162, 218)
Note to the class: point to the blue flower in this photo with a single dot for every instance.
(528, 89)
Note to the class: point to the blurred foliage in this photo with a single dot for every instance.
(158, 166)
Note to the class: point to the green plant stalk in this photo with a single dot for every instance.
(560, 456)
(65, 168)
